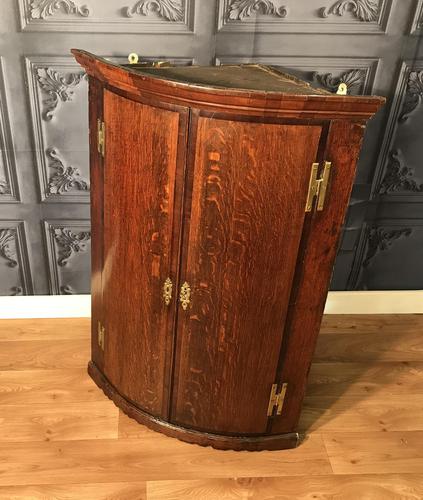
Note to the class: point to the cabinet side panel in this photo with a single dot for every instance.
(311, 282)
(139, 190)
(96, 181)
(247, 209)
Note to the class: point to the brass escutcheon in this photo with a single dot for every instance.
(167, 291)
(185, 295)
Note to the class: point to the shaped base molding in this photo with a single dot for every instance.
(276, 442)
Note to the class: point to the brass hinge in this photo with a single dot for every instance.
(101, 331)
(276, 399)
(317, 187)
(101, 137)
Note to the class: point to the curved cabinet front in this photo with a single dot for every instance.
(215, 226)
(141, 166)
(248, 184)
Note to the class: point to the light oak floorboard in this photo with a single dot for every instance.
(44, 354)
(372, 323)
(379, 379)
(153, 457)
(98, 491)
(44, 329)
(42, 422)
(370, 487)
(375, 453)
(396, 413)
(130, 428)
(370, 347)
(60, 437)
(46, 386)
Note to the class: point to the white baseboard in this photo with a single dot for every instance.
(45, 306)
(375, 302)
(78, 306)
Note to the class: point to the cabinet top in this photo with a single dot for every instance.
(245, 88)
(239, 77)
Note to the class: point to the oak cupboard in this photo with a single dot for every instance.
(218, 194)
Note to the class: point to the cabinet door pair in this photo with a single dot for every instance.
(202, 218)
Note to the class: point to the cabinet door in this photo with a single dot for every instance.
(144, 150)
(249, 187)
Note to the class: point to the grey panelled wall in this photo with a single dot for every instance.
(372, 45)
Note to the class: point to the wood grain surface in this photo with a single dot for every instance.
(205, 188)
(60, 438)
(139, 187)
(312, 278)
(67, 421)
(56, 329)
(372, 487)
(35, 354)
(389, 340)
(248, 195)
(96, 113)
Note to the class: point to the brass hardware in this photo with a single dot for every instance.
(323, 186)
(161, 64)
(185, 295)
(342, 89)
(133, 58)
(100, 335)
(167, 291)
(318, 187)
(276, 399)
(101, 137)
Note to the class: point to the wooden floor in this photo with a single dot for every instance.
(61, 438)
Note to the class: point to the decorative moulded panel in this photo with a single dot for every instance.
(327, 72)
(9, 191)
(58, 92)
(385, 247)
(113, 16)
(417, 24)
(68, 244)
(306, 16)
(399, 173)
(15, 274)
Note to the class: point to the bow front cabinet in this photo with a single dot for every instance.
(218, 195)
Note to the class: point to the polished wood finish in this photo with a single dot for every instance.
(139, 186)
(95, 90)
(204, 182)
(249, 189)
(56, 443)
(319, 247)
(221, 442)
